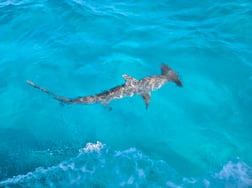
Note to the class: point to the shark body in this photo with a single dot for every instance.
(131, 87)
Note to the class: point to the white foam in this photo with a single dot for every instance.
(130, 150)
(92, 147)
(206, 183)
(16, 179)
(172, 185)
(239, 171)
(189, 180)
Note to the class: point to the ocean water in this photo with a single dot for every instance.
(196, 136)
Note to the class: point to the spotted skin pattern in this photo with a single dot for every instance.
(130, 88)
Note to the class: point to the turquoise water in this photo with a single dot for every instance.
(196, 136)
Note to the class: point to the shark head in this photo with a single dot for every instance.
(170, 75)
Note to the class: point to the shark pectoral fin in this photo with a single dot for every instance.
(106, 105)
(129, 79)
(146, 97)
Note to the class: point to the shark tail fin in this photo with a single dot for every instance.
(170, 74)
(61, 99)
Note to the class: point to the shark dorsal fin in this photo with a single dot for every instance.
(165, 69)
(129, 79)
(146, 97)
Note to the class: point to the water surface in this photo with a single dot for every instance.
(195, 136)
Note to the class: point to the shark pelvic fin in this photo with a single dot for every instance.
(146, 97)
(129, 79)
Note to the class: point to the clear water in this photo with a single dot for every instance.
(196, 136)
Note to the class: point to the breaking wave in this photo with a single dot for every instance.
(96, 165)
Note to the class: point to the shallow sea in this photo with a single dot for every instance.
(196, 136)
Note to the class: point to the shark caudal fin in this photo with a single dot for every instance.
(62, 99)
(171, 75)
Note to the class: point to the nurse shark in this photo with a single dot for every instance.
(131, 87)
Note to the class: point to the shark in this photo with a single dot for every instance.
(131, 87)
